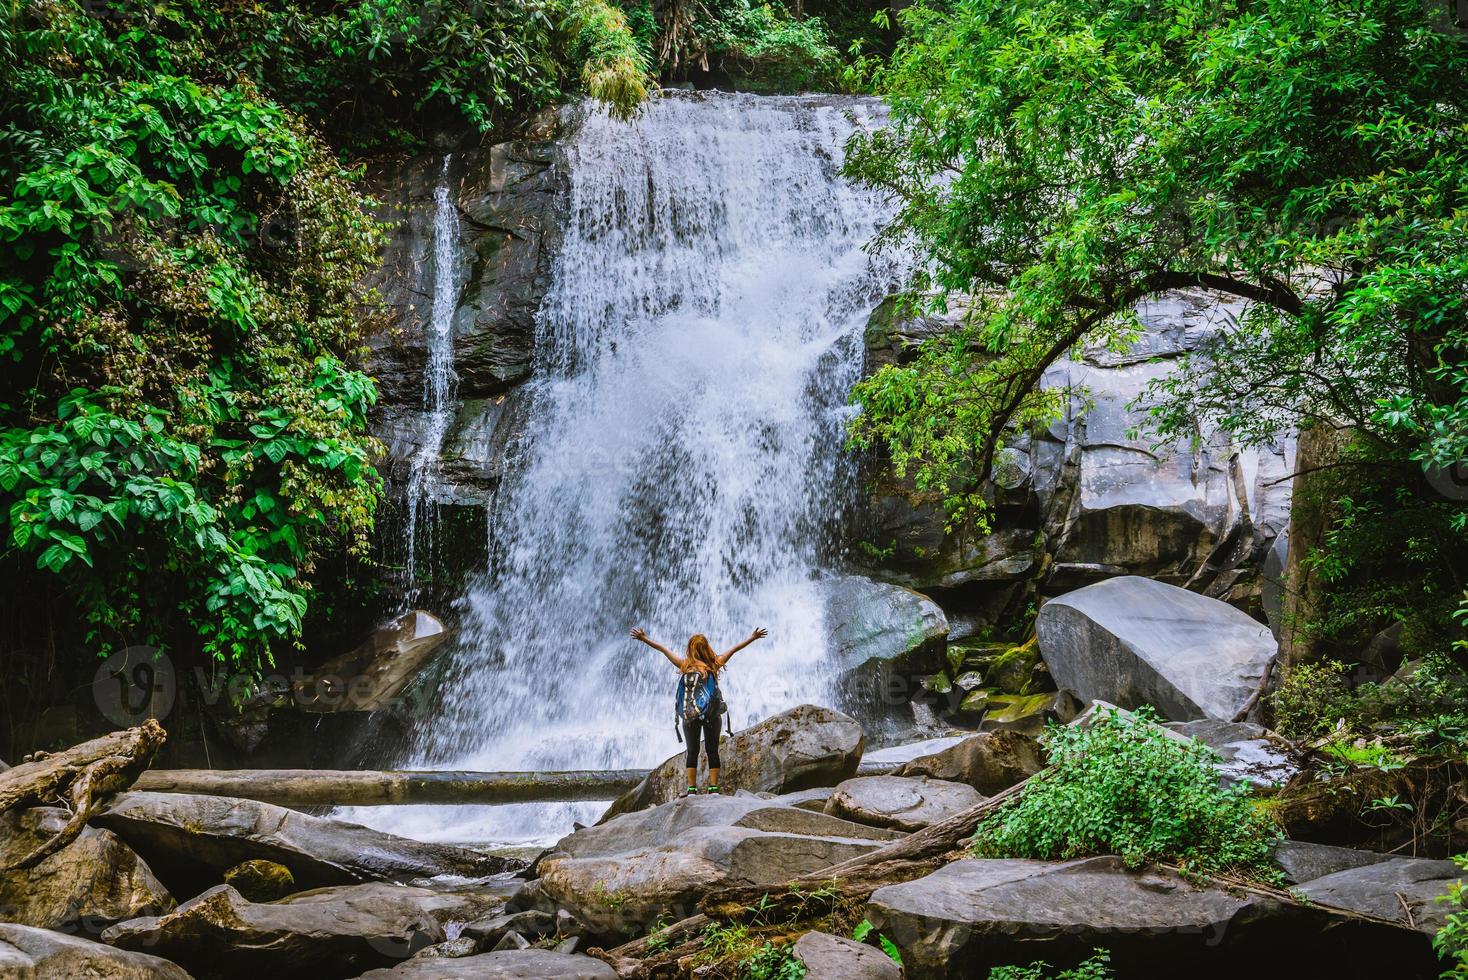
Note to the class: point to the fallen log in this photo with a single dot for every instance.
(82, 778)
(329, 787)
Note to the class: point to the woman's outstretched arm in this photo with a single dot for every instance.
(641, 637)
(758, 634)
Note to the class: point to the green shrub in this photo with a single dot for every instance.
(1098, 967)
(772, 962)
(1312, 699)
(614, 69)
(1123, 786)
(1451, 941)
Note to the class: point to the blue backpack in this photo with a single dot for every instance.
(696, 698)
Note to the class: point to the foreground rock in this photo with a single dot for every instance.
(905, 803)
(190, 841)
(1406, 889)
(329, 932)
(989, 762)
(1134, 641)
(531, 964)
(92, 882)
(972, 915)
(798, 749)
(27, 952)
(620, 876)
(1302, 861)
(828, 957)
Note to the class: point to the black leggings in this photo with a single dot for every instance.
(709, 726)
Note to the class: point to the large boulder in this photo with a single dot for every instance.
(191, 840)
(1133, 641)
(520, 964)
(1405, 889)
(325, 933)
(828, 957)
(878, 621)
(905, 803)
(92, 882)
(29, 953)
(797, 749)
(972, 915)
(619, 877)
(989, 762)
(371, 676)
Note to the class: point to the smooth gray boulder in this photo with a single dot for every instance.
(972, 915)
(524, 964)
(878, 621)
(1134, 641)
(905, 803)
(828, 957)
(92, 882)
(324, 933)
(804, 747)
(989, 762)
(29, 953)
(1405, 889)
(190, 841)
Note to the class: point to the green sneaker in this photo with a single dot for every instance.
(714, 790)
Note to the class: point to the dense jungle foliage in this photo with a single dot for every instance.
(183, 238)
(1060, 161)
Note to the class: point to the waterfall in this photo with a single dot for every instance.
(681, 464)
(439, 380)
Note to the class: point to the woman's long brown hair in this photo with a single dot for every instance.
(701, 656)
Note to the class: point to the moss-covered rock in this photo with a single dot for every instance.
(261, 881)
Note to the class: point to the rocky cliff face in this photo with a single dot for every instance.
(1091, 497)
(507, 195)
(504, 230)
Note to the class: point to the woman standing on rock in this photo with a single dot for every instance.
(700, 704)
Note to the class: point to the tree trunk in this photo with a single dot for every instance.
(317, 787)
(81, 778)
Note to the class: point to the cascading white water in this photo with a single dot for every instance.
(682, 457)
(439, 380)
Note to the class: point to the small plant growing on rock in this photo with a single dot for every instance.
(772, 962)
(1124, 786)
(1312, 699)
(1451, 941)
(1098, 967)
